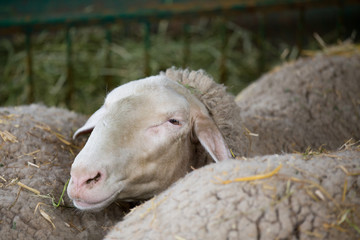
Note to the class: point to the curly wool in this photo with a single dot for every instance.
(303, 201)
(312, 102)
(42, 136)
(220, 104)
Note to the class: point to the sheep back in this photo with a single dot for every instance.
(311, 102)
(304, 200)
(41, 136)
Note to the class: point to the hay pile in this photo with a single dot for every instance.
(36, 152)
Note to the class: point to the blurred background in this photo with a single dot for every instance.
(71, 53)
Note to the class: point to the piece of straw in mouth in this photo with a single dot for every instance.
(254, 177)
(62, 194)
(37, 192)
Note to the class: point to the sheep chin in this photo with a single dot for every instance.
(97, 206)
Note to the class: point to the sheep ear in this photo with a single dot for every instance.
(91, 122)
(211, 139)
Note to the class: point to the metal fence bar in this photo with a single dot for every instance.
(108, 63)
(340, 19)
(69, 68)
(260, 41)
(186, 49)
(29, 66)
(300, 31)
(224, 42)
(147, 70)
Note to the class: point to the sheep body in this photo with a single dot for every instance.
(303, 201)
(311, 102)
(316, 104)
(34, 127)
(29, 126)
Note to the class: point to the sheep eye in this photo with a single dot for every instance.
(174, 122)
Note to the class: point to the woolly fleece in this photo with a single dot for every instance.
(34, 127)
(302, 201)
(311, 102)
(220, 104)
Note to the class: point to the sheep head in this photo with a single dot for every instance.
(142, 140)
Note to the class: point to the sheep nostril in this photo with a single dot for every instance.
(94, 179)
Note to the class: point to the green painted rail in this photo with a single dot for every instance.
(17, 14)
(36, 15)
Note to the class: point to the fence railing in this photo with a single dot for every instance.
(29, 17)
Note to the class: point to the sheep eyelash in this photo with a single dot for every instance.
(174, 122)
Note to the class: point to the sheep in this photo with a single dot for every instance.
(181, 119)
(299, 197)
(312, 102)
(27, 129)
(229, 130)
(35, 150)
(151, 132)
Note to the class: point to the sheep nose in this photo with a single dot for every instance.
(81, 179)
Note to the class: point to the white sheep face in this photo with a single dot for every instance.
(141, 142)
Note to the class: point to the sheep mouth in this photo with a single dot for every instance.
(94, 206)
